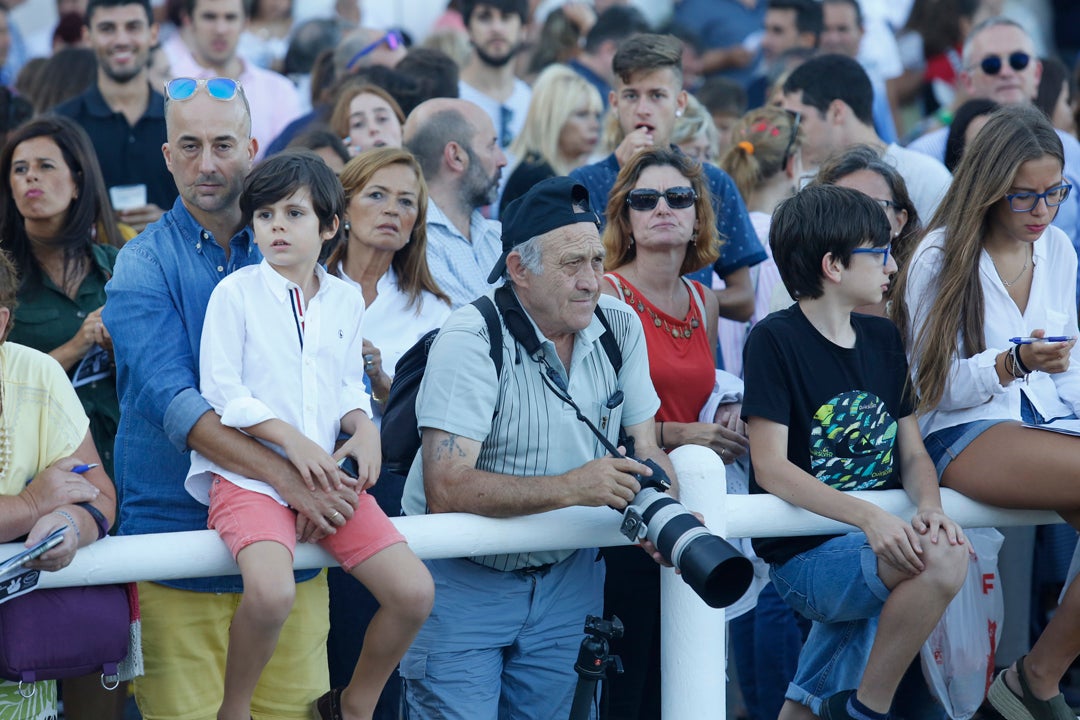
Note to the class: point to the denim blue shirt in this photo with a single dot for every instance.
(156, 302)
(741, 247)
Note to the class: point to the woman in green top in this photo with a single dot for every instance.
(58, 226)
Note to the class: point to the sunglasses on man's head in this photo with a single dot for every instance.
(393, 40)
(992, 64)
(184, 88)
(677, 198)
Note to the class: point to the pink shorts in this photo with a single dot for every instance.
(242, 517)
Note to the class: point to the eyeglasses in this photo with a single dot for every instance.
(796, 121)
(886, 204)
(992, 64)
(393, 40)
(184, 88)
(1026, 201)
(677, 198)
(883, 251)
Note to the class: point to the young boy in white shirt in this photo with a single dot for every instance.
(281, 359)
(828, 412)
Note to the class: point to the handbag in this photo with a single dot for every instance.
(69, 632)
(958, 657)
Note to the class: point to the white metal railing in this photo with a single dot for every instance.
(693, 633)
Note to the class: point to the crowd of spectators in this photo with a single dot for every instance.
(659, 152)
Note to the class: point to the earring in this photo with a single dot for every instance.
(631, 241)
(693, 238)
(678, 113)
(347, 227)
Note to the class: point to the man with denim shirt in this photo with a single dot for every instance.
(156, 304)
(458, 150)
(647, 98)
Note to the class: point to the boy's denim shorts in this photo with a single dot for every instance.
(836, 585)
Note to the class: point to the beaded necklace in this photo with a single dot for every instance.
(675, 331)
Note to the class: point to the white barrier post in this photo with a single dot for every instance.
(693, 649)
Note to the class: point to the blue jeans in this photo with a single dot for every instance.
(502, 644)
(837, 587)
(765, 644)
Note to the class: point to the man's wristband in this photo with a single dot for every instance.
(99, 518)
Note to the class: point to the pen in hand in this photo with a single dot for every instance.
(80, 469)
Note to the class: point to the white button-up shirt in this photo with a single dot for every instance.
(265, 355)
(973, 391)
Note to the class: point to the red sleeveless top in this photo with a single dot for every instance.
(680, 360)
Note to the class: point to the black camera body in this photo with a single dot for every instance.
(716, 571)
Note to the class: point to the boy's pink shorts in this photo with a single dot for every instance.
(242, 517)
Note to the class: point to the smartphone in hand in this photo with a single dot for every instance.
(17, 561)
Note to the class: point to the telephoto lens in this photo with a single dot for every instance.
(709, 564)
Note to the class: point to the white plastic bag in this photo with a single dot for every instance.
(958, 657)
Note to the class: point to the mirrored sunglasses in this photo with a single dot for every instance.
(992, 64)
(184, 88)
(677, 198)
(393, 40)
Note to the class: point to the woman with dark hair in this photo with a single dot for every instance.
(1055, 95)
(365, 116)
(58, 227)
(968, 121)
(661, 226)
(979, 304)
(63, 76)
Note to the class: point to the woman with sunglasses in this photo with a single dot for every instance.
(986, 307)
(661, 226)
(765, 163)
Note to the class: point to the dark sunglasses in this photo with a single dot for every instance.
(677, 198)
(393, 40)
(184, 88)
(991, 65)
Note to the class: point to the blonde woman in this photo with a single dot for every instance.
(696, 134)
(561, 130)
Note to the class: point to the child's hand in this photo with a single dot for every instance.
(895, 542)
(932, 521)
(365, 447)
(313, 463)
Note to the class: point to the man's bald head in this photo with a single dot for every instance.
(433, 124)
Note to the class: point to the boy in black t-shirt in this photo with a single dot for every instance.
(827, 412)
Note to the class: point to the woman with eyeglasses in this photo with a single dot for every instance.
(986, 306)
(863, 168)
(765, 163)
(661, 226)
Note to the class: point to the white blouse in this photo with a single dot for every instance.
(264, 354)
(973, 391)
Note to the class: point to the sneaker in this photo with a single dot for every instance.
(834, 707)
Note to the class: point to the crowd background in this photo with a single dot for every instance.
(343, 77)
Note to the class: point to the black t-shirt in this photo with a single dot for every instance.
(841, 405)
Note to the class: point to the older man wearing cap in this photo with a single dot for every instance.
(504, 633)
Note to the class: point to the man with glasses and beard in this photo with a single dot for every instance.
(495, 28)
(122, 114)
(459, 152)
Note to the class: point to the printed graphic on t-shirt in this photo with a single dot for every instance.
(851, 442)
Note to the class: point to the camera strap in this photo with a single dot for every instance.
(521, 329)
